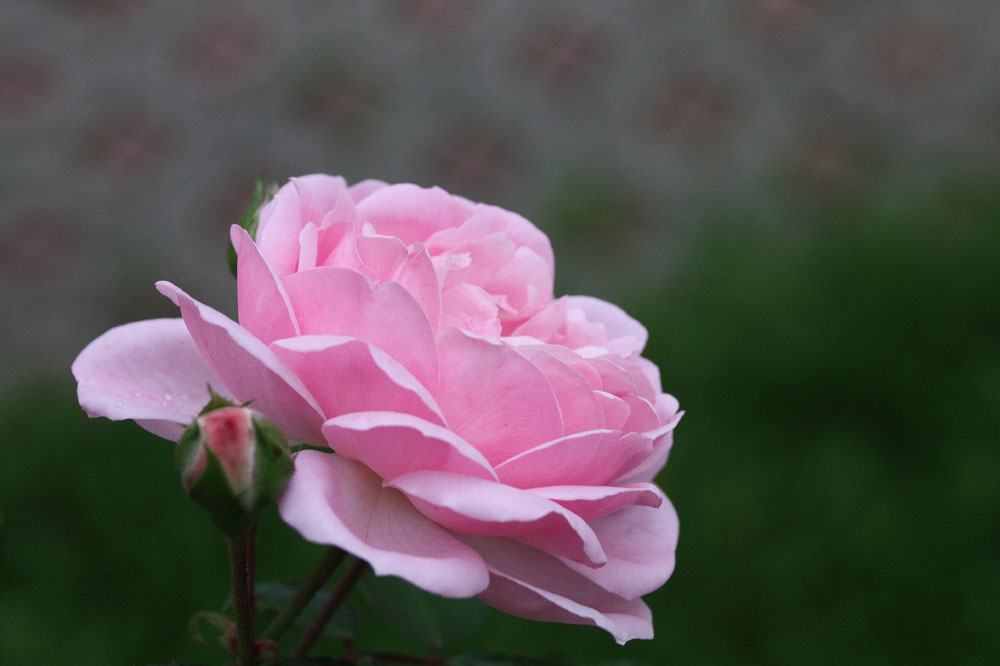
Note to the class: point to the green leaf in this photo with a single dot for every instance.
(430, 620)
(276, 596)
(312, 661)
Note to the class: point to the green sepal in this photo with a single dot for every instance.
(274, 461)
(262, 194)
(215, 401)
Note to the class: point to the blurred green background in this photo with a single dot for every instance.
(800, 200)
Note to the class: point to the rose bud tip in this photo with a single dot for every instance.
(232, 461)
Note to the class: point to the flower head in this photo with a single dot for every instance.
(480, 438)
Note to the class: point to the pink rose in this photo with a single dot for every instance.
(489, 441)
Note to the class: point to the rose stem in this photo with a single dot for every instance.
(241, 602)
(251, 572)
(339, 594)
(307, 590)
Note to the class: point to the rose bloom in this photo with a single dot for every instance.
(481, 439)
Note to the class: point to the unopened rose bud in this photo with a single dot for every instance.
(232, 461)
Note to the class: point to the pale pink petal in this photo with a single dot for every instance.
(364, 188)
(350, 375)
(652, 373)
(663, 441)
(526, 281)
(523, 232)
(642, 417)
(280, 223)
(534, 585)
(584, 459)
(250, 370)
(381, 255)
(418, 276)
(615, 410)
(308, 247)
(335, 501)
(264, 309)
(615, 379)
(470, 308)
(578, 405)
(318, 194)
(411, 213)
(591, 502)
(340, 301)
(640, 542)
(624, 334)
(150, 371)
(453, 238)
(470, 505)
(510, 406)
(666, 407)
(393, 444)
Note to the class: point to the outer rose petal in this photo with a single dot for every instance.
(640, 542)
(150, 371)
(592, 502)
(585, 459)
(350, 375)
(250, 370)
(475, 506)
(339, 502)
(392, 444)
(494, 397)
(533, 585)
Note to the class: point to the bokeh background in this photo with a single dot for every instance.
(799, 198)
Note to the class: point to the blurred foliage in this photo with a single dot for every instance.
(836, 473)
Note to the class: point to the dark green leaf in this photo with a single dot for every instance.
(312, 661)
(276, 596)
(433, 621)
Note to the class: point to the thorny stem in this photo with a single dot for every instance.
(238, 548)
(338, 596)
(307, 590)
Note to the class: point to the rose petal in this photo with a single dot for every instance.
(393, 444)
(591, 502)
(624, 335)
(250, 370)
(318, 194)
(471, 505)
(578, 405)
(264, 309)
(471, 309)
(640, 542)
(411, 213)
(494, 397)
(364, 188)
(340, 301)
(585, 459)
(332, 500)
(350, 375)
(150, 371)
(531, 584)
